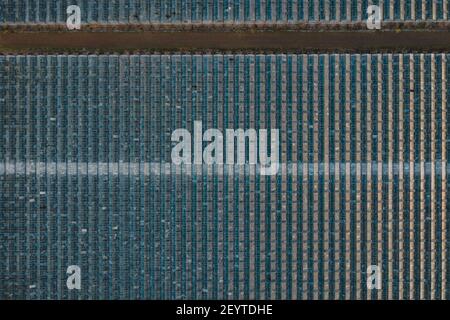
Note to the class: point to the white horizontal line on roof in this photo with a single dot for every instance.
(165, 168)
